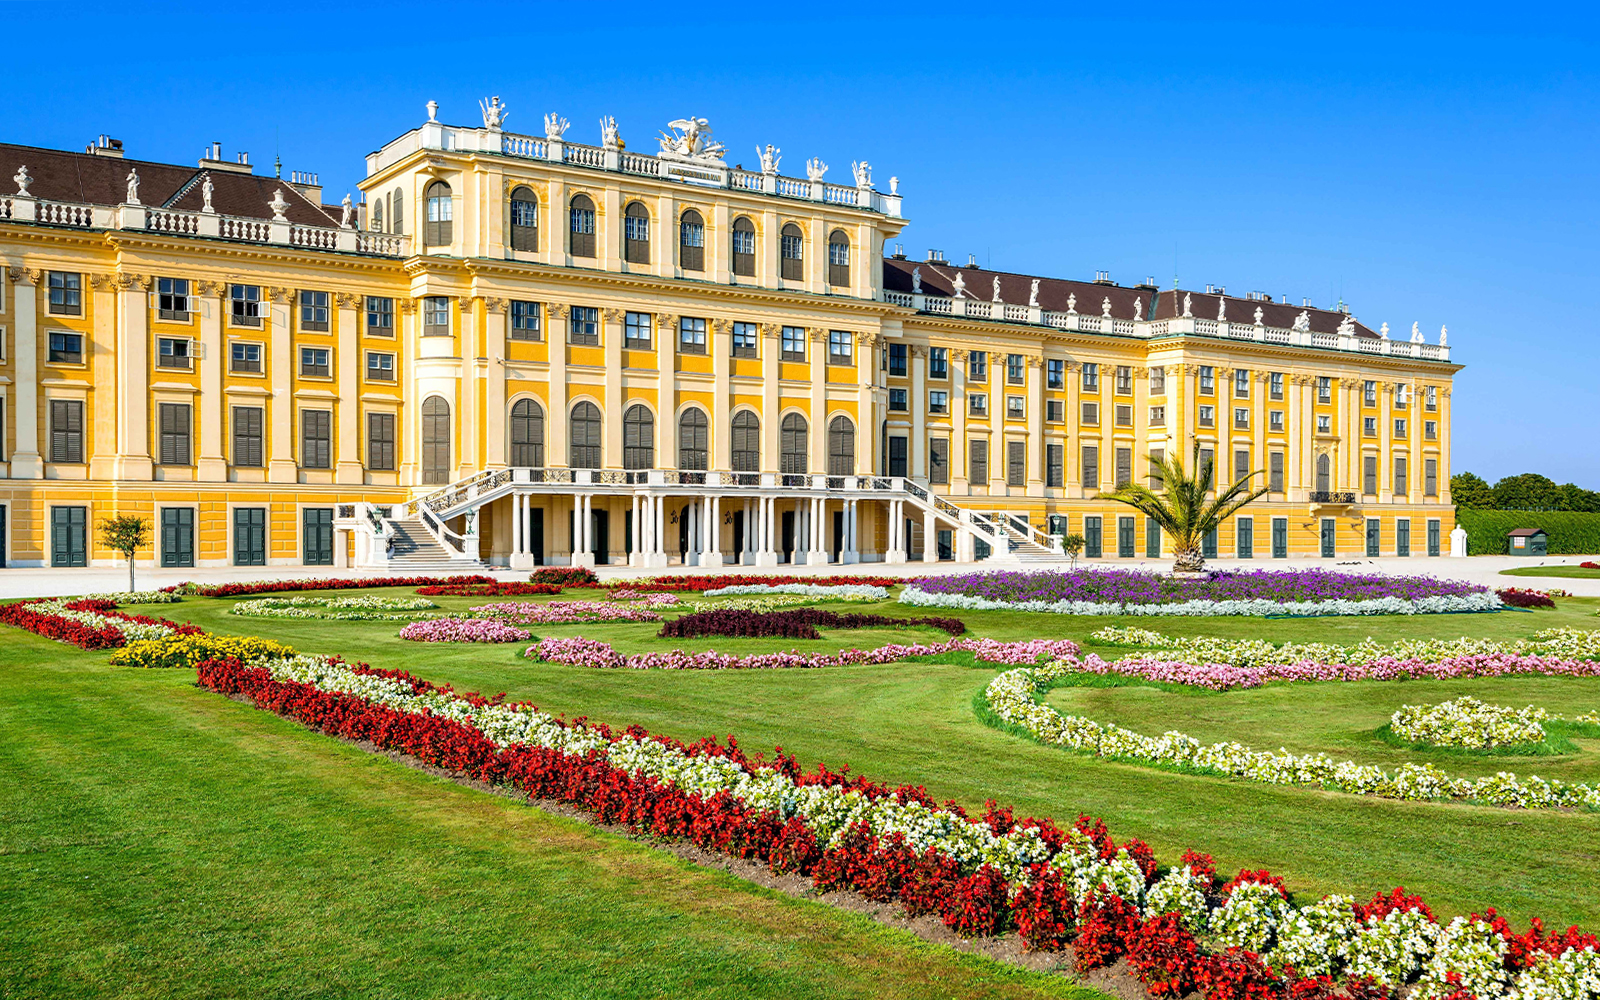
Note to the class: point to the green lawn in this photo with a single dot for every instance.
(160, 839)
(1571, 572)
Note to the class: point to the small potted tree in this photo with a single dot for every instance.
(125, 533)
(1072, 545)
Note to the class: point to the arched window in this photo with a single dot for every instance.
(838, 258)
(636, 233)
(746, 442)
(638, 438)
(841, 446)
(1324, 474)
(744, 247)
(585, 436)
(435, 440)
(436, 232)
(377, 215)
(582, 226)
(524, 219)
(397, 212)
(793, 267)
(692, 241)
(692, 434)
(792, 450)
(527, 434)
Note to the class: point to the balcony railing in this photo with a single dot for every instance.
(1323, 496)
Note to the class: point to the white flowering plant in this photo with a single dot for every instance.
(1468, 722)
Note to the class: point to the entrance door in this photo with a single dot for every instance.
(838, 535)
(317, 532)
(1208, 544)
(69, 541)
(177, 536)
(1125, 537)
(1327, 537)
(3, 510)
(599, 527)
(1280, 538)
(786, 535)
(1402, 537)
(738, 535)
(1433, 539)
(1091, 538)
(250, 536)
(1374, 537)
(536, 535)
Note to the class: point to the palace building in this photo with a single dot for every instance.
(520, 349)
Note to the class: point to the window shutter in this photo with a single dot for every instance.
(978, 460)
(1016, 463)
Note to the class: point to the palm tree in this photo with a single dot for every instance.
(1181, 508)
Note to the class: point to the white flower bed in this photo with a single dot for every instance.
(1207, 608)
(1567, 643)
(840, 592)
(1012, 697)
(131, 631)
(773, 602)
(365, 608)
(135, 597)
(1468, 722)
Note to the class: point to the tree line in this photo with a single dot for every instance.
(1528, 491)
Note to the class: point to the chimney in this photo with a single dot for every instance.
(899, 251)
(212, 160)
(1102, 278)
(307, 184)
(972, 261)
(935, 257)
(104, 145)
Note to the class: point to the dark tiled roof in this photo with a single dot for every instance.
(1055, 294)
(103, 180)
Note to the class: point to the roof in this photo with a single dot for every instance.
(87, 178)
(1063, 294)
(1525, 532)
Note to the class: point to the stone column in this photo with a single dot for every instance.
(26, 461)
(347, 412)
(133, 355)
(281, 466)
(1035, 376)
(713, 533)
(211, 425)
(103, 460)
(930, 537)
(958, 422)
(666, 391)
(496, 375)
(918, 469)
(866, 417)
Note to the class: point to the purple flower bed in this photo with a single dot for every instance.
(802, 623)
(1128, 586)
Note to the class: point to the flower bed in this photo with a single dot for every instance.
(495, 588)
(1257, 593)
(366, 608)
(190, 650)
(560, 612)
(463, 630)
(983, 875)
(705, 581)
(353, 583)
(565, 576)
(1519, 597)
(775, 602)
(88, 623)
(644, 598)
(1013, 697)
(580, 652)
(838, 592)
(800, 623)
(1468, 722)
(136, 597)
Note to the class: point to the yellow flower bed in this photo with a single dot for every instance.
(188, 650)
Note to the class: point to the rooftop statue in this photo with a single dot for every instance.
(690, 138)
(1384, 329)
(278, 205)
(1222, 308)
(609, 137)
(1138, 308)
(22, 180)
(1347, 326)
(1416, 334)
(1105, 307)
(348, 210)
(862, 172)
(769, 158)
(206, 190)
(1444, 335)
(997, 288)
(1033, 294)
(960, 286)
(916, 281)
(494, 113)
(1188, 305)
(815, 168)
(133, 187)
(1258, 315)
(555, 126)
(1072, 302)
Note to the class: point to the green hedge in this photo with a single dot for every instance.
(1571, 533)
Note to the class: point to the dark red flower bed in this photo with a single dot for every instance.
(1589, 564)
(1520, 598)
(108, 636)
(801, 623)
(502, 588)
(565, 576)
(355, 583)
(707, 582)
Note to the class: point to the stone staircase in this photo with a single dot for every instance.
(418, 553)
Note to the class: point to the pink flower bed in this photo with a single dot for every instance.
(1222, 677)
(463, 630)
(580, 652)
(644, 598)
(558, 612)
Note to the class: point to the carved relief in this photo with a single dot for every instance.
(818, 335)
(210, 287)
(103, 282)
(493, 304)
(286, 295)
(26, 275)
(347, 300)
(722, 326)
(771, 330)
(958, 355)
(666, 322)
(138, 282)
(614, 315)
(558, 310)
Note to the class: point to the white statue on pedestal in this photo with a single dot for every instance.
(690, 138)
(278, 205)
(1105, 307)
(862, 172)
(894, 185)
(1138, 308)
(1384, 330)
(1072, 303)
(494, 113)
(433, 111)
(1033, 294)
(206, 191)
(916, 281)
(1416, 334)
(1222, 309)
(133, 188)
(769, 158)
(348, 210)
(22, 180)
(555, 126)
(815, 168)
(1188, 305)
(609, 136)
(1347, 326)
(1258, 315)
(1444, 335)
(997, 288)
(960, 286)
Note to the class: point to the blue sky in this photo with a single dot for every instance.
(1432, 165)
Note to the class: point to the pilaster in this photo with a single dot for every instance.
(347, 412)
(1034, 369)
(133, 390)
(26, 462)
(556, 419)
(958, 422)
(611, 342)
(495, 376)
(918, 469)
(666, 393)
(211, 425)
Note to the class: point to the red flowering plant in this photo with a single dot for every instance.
(1519, 597)
(800, 623)
(705, 581)
(494, 588)
(352, 583)
(1106, 924)
(1164, 956)
(1238, 974)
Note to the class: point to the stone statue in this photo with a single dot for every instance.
(690, 138)
(22, 180)
(348, 210)
(494, 113)
(609, 137)
(206, 190)
(278, 205)
(555, 126)
(1302, 322)
(1222, 308)
(997, 288)
(1384, 329)
(815, 168)
(1188, 304)
(916, 281)
(1138, 308)
(862, 172)
(1347, 326)
(1033, 294)
(133, 187)
(1444, 335)
(960, 286)
(433, 111)
(894, 185)
(769, 158)
(1416, 334)
(1105, 307)
(1258, 315)
(1072, 303)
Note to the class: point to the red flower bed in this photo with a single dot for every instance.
(1589, 564)
(357, 583)
(505, 588)
(800, 623)
(1517, 597)
(565, 576)
(706, 582)
(24, 615)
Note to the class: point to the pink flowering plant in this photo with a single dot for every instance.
(565, 612)
(577, 651)
(463, 630)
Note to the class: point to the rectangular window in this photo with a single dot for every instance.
(244, 357)
(1430, 477)
(978, 366)
(1369, 393)
(1016, 373)
(1016, 408)
(1125, 537)
(897, 360)
(1400, 475)
(1124, 380)
(66, 293)
(978, 404)
(1241, 418)
(248, 423)
(792, 341)
(316, 362)
(316, 536)
(1369, 475)
(1244, 537)
(314, 311)
(1369, 426)
(897, 455)
(1324, 389)
(691, 243)
(978, 460)
(1280, 538)
(1055, 458)
(1275, 421)
(380, 367)
(744, 245)
(1124, 470)
(744, 340)
(841, 347)
(1055, 410)
(1090, 414)
(1207, 472)
(1241, 463)
(938, 362)
(436, 316)
(1399, 427)
(1275, 472)
(316, 439)
(1158, 476)
(691, 335)
(1402, 536)
(174, 427)
(380, 442)
(1208, 416)
(172, 299)
(1208, 380)
(1090, 377)
(1241, 383)
(938, 401)
(1158, 416)
(526, 321)
(838, 263)
(1158, 381)
(939, 461)
(173, 352)
(1055, 374)
(1092, 539)
(897, 399)
(380, 316)
(1402, 393)
(69, 536)
(244, 305)
(1275, 385)
(66, 430)
(66, 348)
(1124, 415)
(1090, 460)
(1324, 424)
(1431, 399)
(583, 326)
(1430, 430)
(1152, 539)
(1016, 463)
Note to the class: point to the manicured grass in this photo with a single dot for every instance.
(1571, 572)
(915, 722)
(158, 840)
